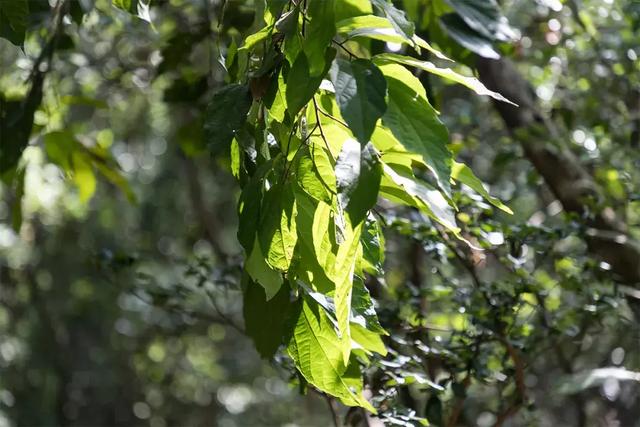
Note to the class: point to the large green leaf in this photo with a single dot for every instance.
(415, 123)
(13, 20)
(225, 115)
(318, 354)
(358, 174)
(343, 279)
(277, 231)
(319, 32)
(470, 82)
(300, 84)
(265, 320)
(360, 92)
(379, 28)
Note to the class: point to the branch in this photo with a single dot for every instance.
(607, 236)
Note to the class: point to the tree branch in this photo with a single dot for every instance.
(607, 237)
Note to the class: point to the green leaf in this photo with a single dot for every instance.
(265, 320)
(458, 30)
(415, 123)
(225, 115)
(318, 354)
(396, 17)
(462, 173)
(309, 179)
(369, 340)
(379, 28)
(261, 272)
(16, 121)
(277, 232)
(256, 38)
(343, 278)
(358, 173)
(83, 176)
(409, 191)
(363, 311)
(484, 17)
(360, 92)
(372, 241)
(319, 32)
(13, 20)
(470, 82)
(301, 85)
(249, 207)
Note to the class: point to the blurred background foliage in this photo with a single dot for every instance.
(119, 294)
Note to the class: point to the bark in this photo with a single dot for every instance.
(607, 235)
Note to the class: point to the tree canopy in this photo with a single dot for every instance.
(423, 212)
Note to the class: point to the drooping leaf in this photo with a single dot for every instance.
(379, 28)
(16, 121)
(457, 29)
(462, 173)
(415, 123)
(396, 17)
(484, 17)
(265, 320)
(309, 179)
(358, 174)
(318, 354)
(363, 311)
(301, 85)
(320, 30)
(343, 279)
(372, 241)
(409, 191)
(360, 92)
(13, 20)
(225, 115)
(277, 231)
(261, 272)
(470, 82)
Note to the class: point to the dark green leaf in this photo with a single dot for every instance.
(457, 29)
(360, 92)
(372, 241)
(300, 85)
(363, 311)
(265, 321)
(358, 174)
(225, 115)
(13, 20)
(484, 17)
(16, 121)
